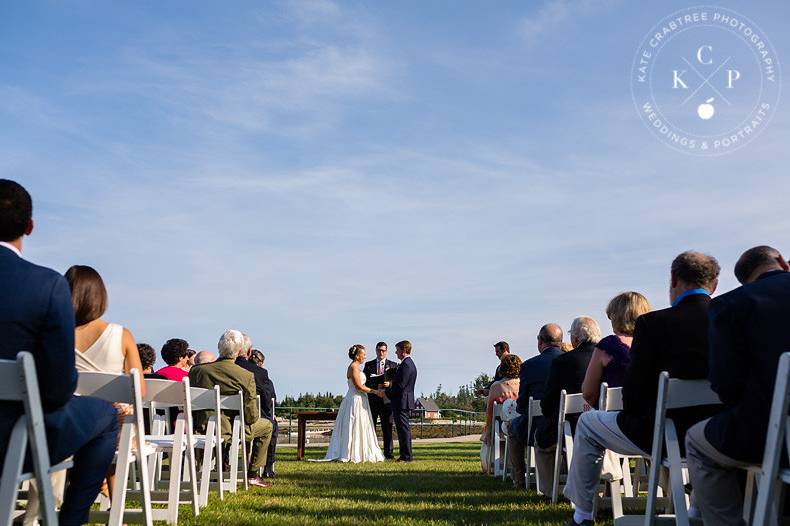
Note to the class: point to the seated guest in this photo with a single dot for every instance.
(175, 353)
(611, 356)
(532, 379)
(501, 349)
(566, 372)
(746, 341)
(147, 359)
(190, 359)
(36, 315)
(673, 340)
(504, 389)
(267, 409)
(204, 357)
(231, 379)
(100, 346)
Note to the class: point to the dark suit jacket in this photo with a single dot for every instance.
(401, 392)
(748, 332)
(673, 340)
(370, 369)
(566, 372)
(263, 385)
(532, 377)
(36, 316)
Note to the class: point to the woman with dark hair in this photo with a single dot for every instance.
(175, 353)
(354, 437)
(100, 346)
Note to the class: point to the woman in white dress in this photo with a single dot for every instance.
(354, 437)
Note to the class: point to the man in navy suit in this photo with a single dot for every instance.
(401, 395)
(747, 334)
(533, 375)
(36, 315)
(379, 408)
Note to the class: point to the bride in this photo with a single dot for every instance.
(354, 437)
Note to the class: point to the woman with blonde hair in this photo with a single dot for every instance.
(612, 355)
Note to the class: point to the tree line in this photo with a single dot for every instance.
(464, 399)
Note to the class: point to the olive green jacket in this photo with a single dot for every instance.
(231, 379)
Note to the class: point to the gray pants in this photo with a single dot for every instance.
(714, 477)
(596, 432)
(544, 463)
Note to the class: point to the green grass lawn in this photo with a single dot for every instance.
(443, 486)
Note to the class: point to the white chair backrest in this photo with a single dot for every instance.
(233, 402)
(689, 393)
(12, 384)
(111, 387)
(534, 408)
(573, 403)
(508, 411)
(611, 398)
(204, 399)
(166, 393)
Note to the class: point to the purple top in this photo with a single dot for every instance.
(614, 372)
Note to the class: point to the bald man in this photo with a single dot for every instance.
(204, 357)
(532, 377)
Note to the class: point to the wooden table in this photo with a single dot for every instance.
(301, 425)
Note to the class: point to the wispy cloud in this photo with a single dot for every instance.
(553, 15)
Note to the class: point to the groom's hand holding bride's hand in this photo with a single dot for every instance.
(380, 392)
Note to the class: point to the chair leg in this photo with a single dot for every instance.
(676, 475)
(234, 457)
(121, 476)
(555, 487)
(176, 461)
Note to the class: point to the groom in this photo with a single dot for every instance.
(401, 395)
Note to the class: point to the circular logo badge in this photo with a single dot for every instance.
(706, 80)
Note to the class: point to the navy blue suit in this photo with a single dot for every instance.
(748, 333)
(36, 316)
(532, 381)
(401, 395)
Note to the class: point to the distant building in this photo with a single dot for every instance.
(428, 407)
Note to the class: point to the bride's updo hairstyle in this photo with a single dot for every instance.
(354, 351)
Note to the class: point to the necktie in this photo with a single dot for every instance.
(381, 367)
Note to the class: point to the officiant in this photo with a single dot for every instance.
(380, 407)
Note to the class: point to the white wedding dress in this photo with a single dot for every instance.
(354, 437)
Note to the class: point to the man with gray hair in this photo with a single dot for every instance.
(746, 341)
(566, 372)
(673, 340)
(231, 379)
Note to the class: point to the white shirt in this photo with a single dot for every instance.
(11, 247)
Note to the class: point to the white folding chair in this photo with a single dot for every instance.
(210, 442)
(508, 414)
(611, 399)
(179, 446)
(772, 478)
(238, 442)
(125, 389)
(534, 411)
(19, 383)
(673, 393)
(570, 404)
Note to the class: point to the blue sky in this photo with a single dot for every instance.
(321, 173)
